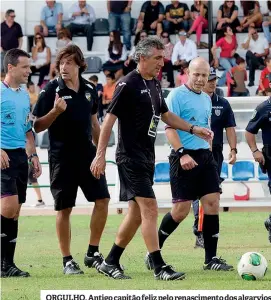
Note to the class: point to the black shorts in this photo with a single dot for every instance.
(136, 180)
(147, 26)
(196, 183)
(67, 176)
(14, 178)
(31, 178)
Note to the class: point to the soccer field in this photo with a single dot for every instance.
(38, 253)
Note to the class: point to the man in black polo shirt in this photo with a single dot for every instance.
(222, 118)
(11, 34)
(151, 16)
(261, 119)
(138, 105)
(68, 108)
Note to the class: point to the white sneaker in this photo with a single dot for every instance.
(40, 203)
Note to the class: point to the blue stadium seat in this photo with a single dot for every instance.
(243, 171)
(101, 27)
(161, 173)
(261, 175)
(94, 64)
(224, 171)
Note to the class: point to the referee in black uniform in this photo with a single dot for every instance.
(138, 104)
(222, 118)
(261, 119)
(68, 108)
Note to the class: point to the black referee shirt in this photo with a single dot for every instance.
(222, 117)
(261, 119)
(71, 131)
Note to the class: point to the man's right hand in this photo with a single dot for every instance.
(258, 156)
(45, 30)
(203, 133)
(97, 167)
(4, 160)
(187, 162)
(60, 105)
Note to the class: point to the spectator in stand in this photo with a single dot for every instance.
(267, 23)
(252, 15)
(120, 19)
(227, 16)
(184, 50)
(265, 78)
(82, 17)
(236, 79)
(116, 56)
(167, 68)
(228, 45)
(151, 16)
(63, 39)
(11, 34)
(109, 89)
(182, 78)
(177, 17)
(41, 59)
(130, 64)
(258, 50)
(99, 88)
(51, 19)
(32, 94)
(199, 15)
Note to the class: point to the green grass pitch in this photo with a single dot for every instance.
(38, 252)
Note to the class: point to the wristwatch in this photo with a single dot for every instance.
(191, 129)
(180, 152)
(234, 149)
(256, 150)
(32, 155)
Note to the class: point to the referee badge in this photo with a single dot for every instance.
(217, 112)
(88, 96)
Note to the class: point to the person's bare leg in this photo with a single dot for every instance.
(37, 190)
(63, 229)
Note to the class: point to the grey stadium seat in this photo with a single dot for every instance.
(101, 27)
(94, 64)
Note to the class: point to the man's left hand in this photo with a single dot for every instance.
(127, 9)
(153, 25)
(232, 158)
(203, 133)
(58, 26)
(36, 166)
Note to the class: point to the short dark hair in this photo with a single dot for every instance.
(93, 78)
(240, 60)
(12, 57)
(10, 11)
(111, 75)
(76, 53)
(29, 84)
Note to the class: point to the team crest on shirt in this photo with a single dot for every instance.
(88, 96)
(217, 112)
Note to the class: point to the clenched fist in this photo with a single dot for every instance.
(60, 105)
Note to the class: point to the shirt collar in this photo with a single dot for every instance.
(62, 84)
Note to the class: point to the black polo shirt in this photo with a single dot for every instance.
(152, 12)
(132, 105)
(222, 117)
(10, 35)
(117, 7)
(71, 131)
(261, 119)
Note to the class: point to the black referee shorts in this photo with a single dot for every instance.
(65, 178)
(196, 183)
(14, 178)
(136, 180)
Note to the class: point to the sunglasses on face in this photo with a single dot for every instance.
(143, 36)
(165, 36)
(38, 38)
(12, 16)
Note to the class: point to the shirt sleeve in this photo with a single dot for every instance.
(265, 44)
(185, 7)
(59, 8)
(71, 11)
(229, 119)
(255, 122)
(45, 101)
(92, 16)
(144, 7)
(172, 103)
(20, 32)
(167, 8)
(235, 7)
(193, 8)
(43, 15)
(121, 100)
(161, 9)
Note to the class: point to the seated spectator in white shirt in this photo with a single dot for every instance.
(151, 16)
(82, 18)
(51, 19)
(184, 50)
(258, 50)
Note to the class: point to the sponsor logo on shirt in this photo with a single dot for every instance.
(122, 83)
(67, 97)
(144, 91)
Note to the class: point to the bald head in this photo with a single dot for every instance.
(198, 73)
(199, 63)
